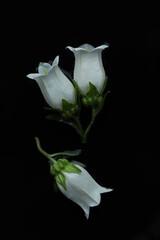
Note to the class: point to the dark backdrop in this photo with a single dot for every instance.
(122, 151)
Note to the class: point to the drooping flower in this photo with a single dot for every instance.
(54, 85)
(89, 67)
(82, 189)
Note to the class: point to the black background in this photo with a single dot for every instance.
(122, 151)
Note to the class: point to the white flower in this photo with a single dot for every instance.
(82, 189)
(88, 67)
(54, 85)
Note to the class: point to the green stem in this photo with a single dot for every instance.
(43, 152)
(84, 139)
(78, 127)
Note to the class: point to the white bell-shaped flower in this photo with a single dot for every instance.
(82, 189)
(89, 67)
(54, 85)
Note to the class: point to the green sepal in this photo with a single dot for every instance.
(60, 178)
(100, 105)
(92, 97)
(77, 89)
(92, 91)
(52, 170)
(69, 109)
(66, 105)
(55, 186)
(71, 168)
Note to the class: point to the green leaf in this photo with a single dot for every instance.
(71, 168)
(52, 109)
(60, 178)
(53, 116)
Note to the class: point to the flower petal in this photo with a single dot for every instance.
(46, 94)
(34, 75)
(88, 189)
(83, 189)
(76, 196)
(87, 48)
(54, 85)
(44, 67)
(56, 61)
(101, 47)
(105, 190)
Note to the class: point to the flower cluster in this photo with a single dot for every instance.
(66, 97)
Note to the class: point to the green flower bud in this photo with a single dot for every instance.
(75, 109)
(52, 171)
(64, 115)
(69, 113)
(84, 101)
(95, 99)
(90, 101)
(100, 99)
(57, 167)
(62, 162)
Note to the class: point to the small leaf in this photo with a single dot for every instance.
(60, 178)
(69, 123)
(71, 168)
(52, 109)
(53, 116)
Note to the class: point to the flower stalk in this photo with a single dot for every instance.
(50, 157)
